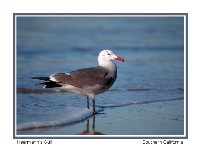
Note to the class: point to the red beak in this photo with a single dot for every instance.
(119, 59)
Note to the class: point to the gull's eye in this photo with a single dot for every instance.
(108, 54)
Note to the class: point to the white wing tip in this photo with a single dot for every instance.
(52, 78)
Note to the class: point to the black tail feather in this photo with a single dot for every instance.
(51, 84)
(48, 83)
(41, 78)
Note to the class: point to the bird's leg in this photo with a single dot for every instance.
(87, 126)
(93, 101)
(93, 123)
(87, 99)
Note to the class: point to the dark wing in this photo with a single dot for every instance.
(84, 77)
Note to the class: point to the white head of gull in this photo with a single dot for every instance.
(87, 81)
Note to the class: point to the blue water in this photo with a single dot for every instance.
(153, 49)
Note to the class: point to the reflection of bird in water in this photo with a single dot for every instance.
(93, 132)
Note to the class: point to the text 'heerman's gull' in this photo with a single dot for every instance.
(87, 81)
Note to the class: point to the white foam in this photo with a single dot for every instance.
(78, 115)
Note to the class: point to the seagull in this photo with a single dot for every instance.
(87, 81)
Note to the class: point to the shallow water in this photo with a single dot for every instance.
(153, 72)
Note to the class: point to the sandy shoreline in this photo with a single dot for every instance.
(160, 118)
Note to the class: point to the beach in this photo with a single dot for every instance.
(147, 98)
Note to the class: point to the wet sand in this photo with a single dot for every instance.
(152, 119)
